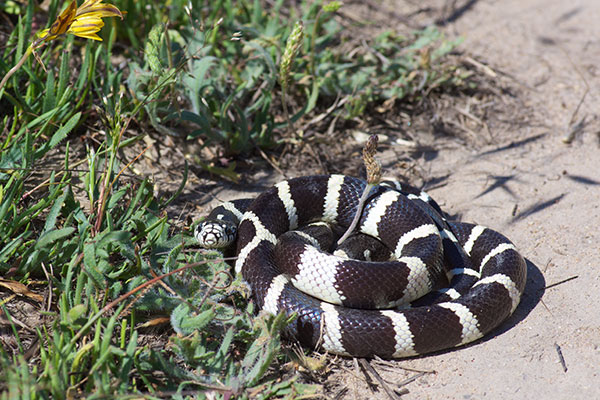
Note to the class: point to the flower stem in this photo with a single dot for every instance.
(15, 68)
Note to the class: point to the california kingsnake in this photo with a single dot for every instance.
(486, 274)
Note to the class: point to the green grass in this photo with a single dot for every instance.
(96, 235)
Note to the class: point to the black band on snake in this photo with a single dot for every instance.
(445, 283)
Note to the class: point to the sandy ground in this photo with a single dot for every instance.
(542, 193)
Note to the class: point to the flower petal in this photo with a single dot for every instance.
(88, 35)
(87, 28)
(99, 8)
(84, 21)
(88, 20)
(63, 21)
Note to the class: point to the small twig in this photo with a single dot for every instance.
(365, 364)
(359, 208)
(486, 69)
(50, 289)
(568, 138)
(129, 164)
(560, 357)
(341, 393)
(392, 366)
(336, 104)
(545, 306)
(22, 324)
(7, 299)
(271, 162)
(365, 374)
(547, 265)
(561, 282)
(469, 115)
(413, 378)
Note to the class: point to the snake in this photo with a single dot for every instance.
(440, 283)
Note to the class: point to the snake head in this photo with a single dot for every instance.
(215, 234)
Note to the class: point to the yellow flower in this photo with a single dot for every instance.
(83, 21)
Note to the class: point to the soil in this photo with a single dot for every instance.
(537, 182)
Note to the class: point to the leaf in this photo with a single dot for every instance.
(120, 238)
(19, 288)
(268, 60)
(79, 356)
(50, 237)
(219, 361)
(64, 130)
(263, 349)
(76, 313)
(59, 135)
(196, 80)
(54, 211)
(10, 159)
(49, 95)
(7, 250)
(90, 265)
(184, 323)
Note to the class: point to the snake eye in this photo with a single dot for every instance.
(231, 230)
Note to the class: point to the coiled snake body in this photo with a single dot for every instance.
(446, 284)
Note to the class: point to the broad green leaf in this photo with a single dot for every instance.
(185, 323)
(54, 211)
(76, 312)
(59, 135)
(50, 237)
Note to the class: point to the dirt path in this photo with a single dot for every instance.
(544, 195)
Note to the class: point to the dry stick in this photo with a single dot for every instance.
(129, 164)
(50, 289)
(560, 357)
(271, 162)
(7, 299)
(359, 208)
(341, 393)
(561, 282)
(365, 374)
(412, 379)
(392, 366)
(568, 138)
(133, 291)
(365, 364)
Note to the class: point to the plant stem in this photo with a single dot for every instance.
(359, 208)
(15, 68)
